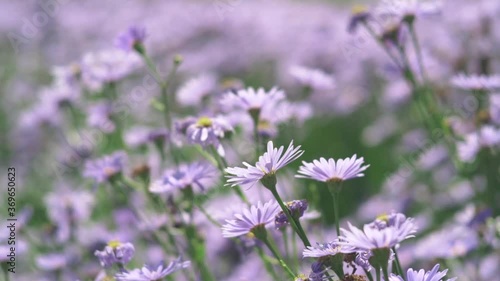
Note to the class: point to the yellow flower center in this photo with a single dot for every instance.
(204, 122)
(114, 244)
(359, 9)
(383, 217)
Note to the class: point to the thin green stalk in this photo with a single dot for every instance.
(294, 223)
(334, 189)
(418, 51)
(295, 251)
(208, 216)
(286, 241)
(378, 274)
(279, 258)
(267, 264)
(152, 68)
(399, 269)
(386, 273)
(384, 47)
(222, 165)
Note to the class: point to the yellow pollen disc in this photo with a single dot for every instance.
(251, 235)
(114, 244)
(359, 9)
(334, 180)
(263, 125)
(204, 122)
(383, 217)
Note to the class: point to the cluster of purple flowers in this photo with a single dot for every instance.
(181, 136)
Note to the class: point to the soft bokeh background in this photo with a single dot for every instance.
(368, 113)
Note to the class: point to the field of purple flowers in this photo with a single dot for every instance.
(240, 140)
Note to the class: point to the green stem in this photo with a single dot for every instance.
(334, 189)
(279, 258)
(418, 51)
(295, 251)
(384, 47)
(286, 243)
(386, 273)
(267, 264)
(399, 269)
(294, 223)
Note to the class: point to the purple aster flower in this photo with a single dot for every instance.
(272, 160)
(252, 100)
(192, 92)
(147, 273)
(476, 82)
(296, 208)
(331, 170)
(360, 14)
(421, 275)
(139, 136)
(196, 174)
(105, 168)
(251, 219)
(99, 116)
(322, 250)
(115, 253)
(131, 39)
(207, 131)
(52, 261)
(107, 66)
(314, 78)
(487, 136)
(397, 220)
(371, 238)
(363, 259)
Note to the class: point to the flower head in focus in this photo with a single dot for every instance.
(371, 238)
(331, 170)
(272, 160)
(251, 220)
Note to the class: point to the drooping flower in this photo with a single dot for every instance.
(258, 216)
(196, 174)
(372, 238)
(105, 168)
(422, 275)
(268, 164)
(115, 253)
(296, 208)
(147, 273)
(360, 14)
(331, 170)
(131, 38)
